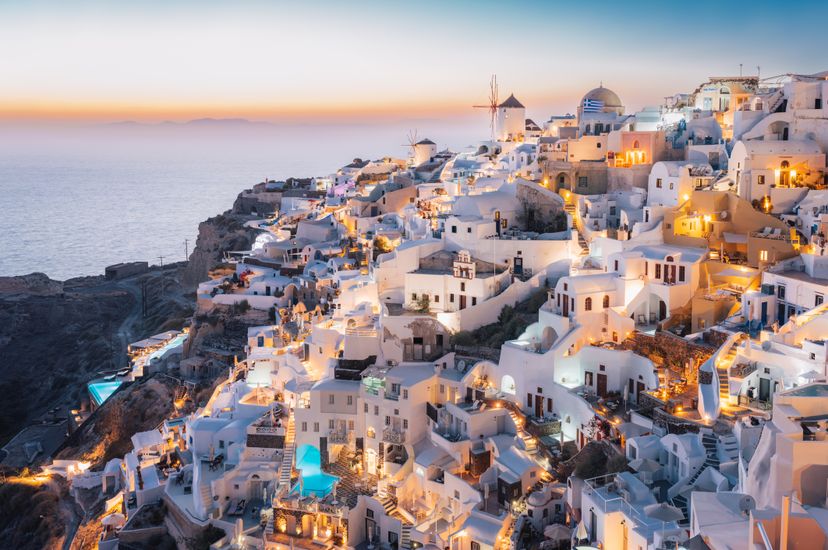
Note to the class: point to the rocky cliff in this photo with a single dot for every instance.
(217, 235)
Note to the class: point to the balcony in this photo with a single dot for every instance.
(338, 437)
(392, 396)
(390, 435)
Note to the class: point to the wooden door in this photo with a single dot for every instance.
(602, 385)
(462, 301)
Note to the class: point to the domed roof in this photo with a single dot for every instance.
(609, 98)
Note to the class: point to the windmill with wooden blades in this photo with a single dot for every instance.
(412, 145)
(492, 105)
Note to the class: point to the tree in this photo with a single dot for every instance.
(423, 304)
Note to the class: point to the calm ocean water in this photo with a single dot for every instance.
(74, 200)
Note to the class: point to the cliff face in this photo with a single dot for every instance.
(215, 236)
(54, 336)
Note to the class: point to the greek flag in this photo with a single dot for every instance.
(593, 105)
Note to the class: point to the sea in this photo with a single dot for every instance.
(77, 198)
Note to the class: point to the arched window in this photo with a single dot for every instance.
(606, 301)
(588, 304)
(636, 145)
(785, 165)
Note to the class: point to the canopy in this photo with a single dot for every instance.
(663, 512)
(556, 531)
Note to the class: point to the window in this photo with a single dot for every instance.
(616, 265)
(671, 185)
(658, 271)
(475, 545)
(331, 399)
(454, 229)
(468, 230)
(646, 268)
(350, 400)
(351, 425)
(442, 388)
(529, 400)
(763, 255)
(658, 183)
(376, 410)
(387, 420)
(588, 304)
(366, 408)
(598, 145)
(760, 179)
(566, 286)
(540, 390)
(405, 394)
(405, 423)
(462, 287)
(602, 368)
(582, 181)
(474, 300)
(316, 426)
(780, 292)
(304, 426)
(221, 443)
(606, 301)
(413, 295)
(681, 273)
(818, 299)
(436, 298)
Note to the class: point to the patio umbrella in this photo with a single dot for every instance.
(663, 512)
(556, 531)
(647, 465)
(581, 532)
(810, 375)
(114, 520)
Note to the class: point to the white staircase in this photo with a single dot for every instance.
(390, 507)
(290, 448)
(206, 497)
(730, 446)
(529, 442)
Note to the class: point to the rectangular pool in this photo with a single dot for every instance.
(102, 390)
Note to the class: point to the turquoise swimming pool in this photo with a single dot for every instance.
(174, 343)
(102, 390)
(313, 480)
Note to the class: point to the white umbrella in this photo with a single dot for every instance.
(647, 465)
(114, 520)
(581, 532)
(810, 375)
(664, 512)
(556, 531)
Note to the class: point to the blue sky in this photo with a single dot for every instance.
(272, 60)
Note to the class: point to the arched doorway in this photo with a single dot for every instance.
(548, 338)
(371, 461)
(785, 173)
(662, 310)
(507, 385)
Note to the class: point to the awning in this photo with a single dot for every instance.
(735, 238)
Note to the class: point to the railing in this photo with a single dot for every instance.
(338, 437)
(742, 370)
(390, 435)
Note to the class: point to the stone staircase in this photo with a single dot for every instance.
(576, 225)
(348, 479)
(206, 497)
(290, 448)
(723, 367)
(709, 441)
(529, 442)
(390, 507)
(730, 446)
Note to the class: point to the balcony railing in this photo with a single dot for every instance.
(338, 437)
(390, 435)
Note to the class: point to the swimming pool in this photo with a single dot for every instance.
(174, 343)
(102, 390)
(313, 480)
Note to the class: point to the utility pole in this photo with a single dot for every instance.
(740, 70)
(161, 259)
(186, 249)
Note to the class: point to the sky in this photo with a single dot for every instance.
(102, 61)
